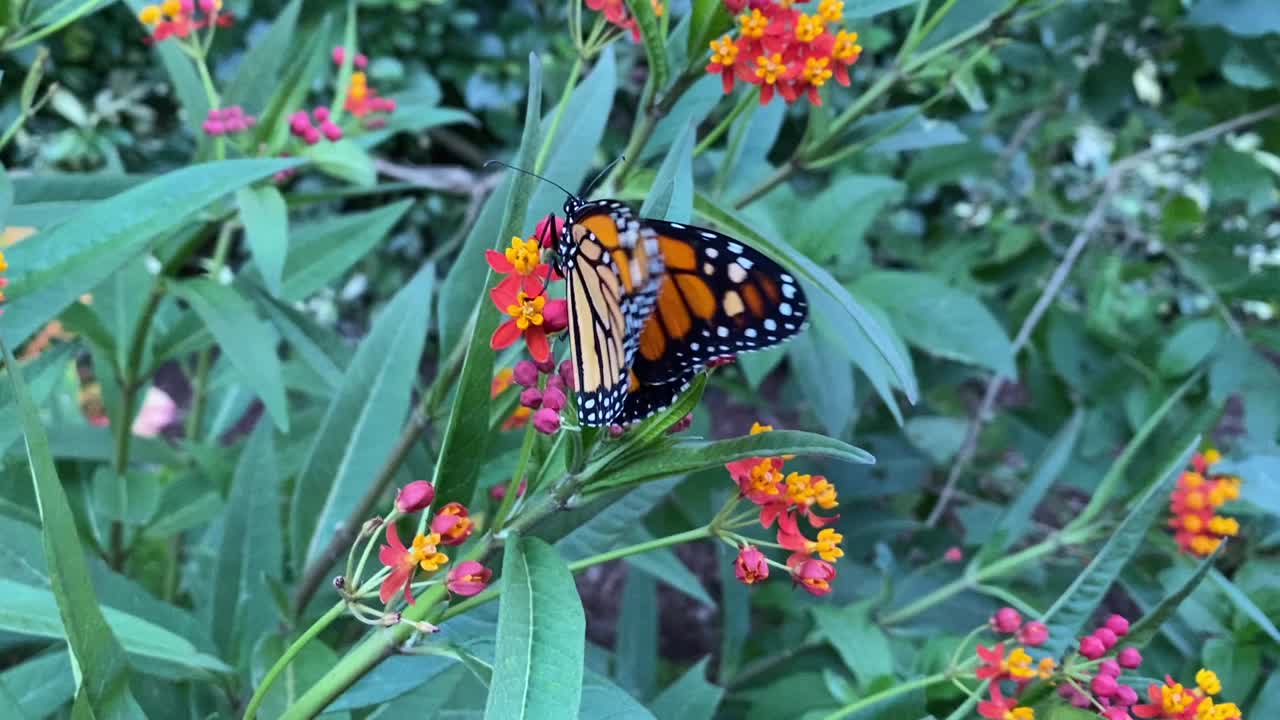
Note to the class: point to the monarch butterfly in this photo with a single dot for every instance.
(652, 303)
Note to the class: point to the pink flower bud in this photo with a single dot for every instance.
(682, 424)
(1103, 685)
(361, 62)
(1109, 667)
(751, 566)
(1129, 658)
(1006, 620)
(555, 317)
(1107, 637)
(468, 578)
(1073, 696)
(311, 136)
(549, 236)
(531, 397)
(331, 131)
(339, 54)
(1117, 624)
(546, 421)
(1115, 713)
(953, 554)
(321, 114)
(616, 430)
(1125, 695)
(525, 373)
(187, 6)
(235, 125)
(566, 374)
(213, 127)
(389, 105)
(547, 365)
(553, 398)
(1091, 647)
(209, 6)
(1034, 633)
(415, 496)
(554, 381)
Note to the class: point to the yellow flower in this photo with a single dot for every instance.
(816, 71)
(528, 311)
(1219, 525)
(1204, 545)
(723, 51)
(753, 25)
(1212, 456)
(828, 545)
(658, 8)
(770, 68)
(824, 493)
(1019, 663)
(846, 48)
(1046, 668)
(1174, 698)
(1192, 522)
(831, 10)
(425, 554)
(149, 15)
(1225, 711)
(1021, 713)
(756, 428)
(1207, 680)
(172, 8)
(809, 27)
(523, 255)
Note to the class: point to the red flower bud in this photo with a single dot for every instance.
(544, 366)
(1091, 647)
(553, 397)
(1034, 633)
(1117, 624)
(1103, 685)
(814, 576)
(1006, 620)
(531, 397)
(415, 496)
(453, 524)
(525, 373)
(953, 554)
(1107, 637)
(1125, 695)
(751, 566)
(566, 374)
(468, 578)
(546, 421)
(1129, 658)
(555, 317)
(1109, 667)
(549, 236)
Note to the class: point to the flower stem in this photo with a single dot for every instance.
(260, 693)
(724, 125)
(548, 139)
(526, 450)
(888, 693)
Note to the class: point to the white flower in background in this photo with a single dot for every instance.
(1092, 149)
(1262, 310)
(1146, 83)
(157, 412)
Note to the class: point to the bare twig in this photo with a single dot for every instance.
(1092, 224)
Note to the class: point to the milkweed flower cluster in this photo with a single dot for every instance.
(1172, 701)
(616, 12)
(178, 18)
(522, 296)
(1193, 505)
(362, 101)
(450, 525)
(545, 390)
(778, 47)
(309, 128)
(4, 265)
(227, 121)
(785, 498)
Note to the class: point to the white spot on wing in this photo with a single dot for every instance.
(712, 253)
(736, 273)
(770, 324)
(785, 308)
(736, 249)
(722, 331)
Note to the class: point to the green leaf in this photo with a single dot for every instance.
(312, 662)
(693, 107)
(636, 648)
(538, 663)
(52, 269)
(248, 341)
(318, 347)
(343, 160)
(1245, 605)
(690, 697)
(6, 196)
(182, 73)
(826, 379)
(819, 280)
(260, 67)
(252, 552)
(707, 19)
(861, 644)
(689, 456)
(462, 451)
(602, 699)
(266, 228)
(458, 291)
(654, 40)
(413, 114)
(1238, 17)
(854, 9)
(323, 250)
(671, 197)
(940, 319)
(1145, 629)
(836, 220)
(1060, 711)
(292, 86)
(363, 420)
(1015, 522)
(99, 658)
(842, 332)
(1067, 616)
(42, 684)
(43, 373)
(604, 530)
(664, 565)
(1189, 346)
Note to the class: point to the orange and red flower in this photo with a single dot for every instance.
(1000, 707)
(751, 566)
(453, 524)
(177, 18)
(1198, 529)
(814, 576)
(404, 562)
(1172, 701)
(468, 578)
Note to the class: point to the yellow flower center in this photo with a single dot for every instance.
(1175, 699)
(809, 27)
(770, 68)
(846, 47)
(1211, 456)
(150, 15)
(1019, 665)
(524, 255)
(723, 51)
(1219, 525)
(764, 478)
(172, 8)
(658, 8)
(1020, 713)
(828, 545)
(424, 553)
(753, 25)
(831, 10)
(358, 89)
(1192, 522)
(757, 428)
(527, 311)
(1204, 545)
(816, 71)
(824, 493)
(1046, 668)
(1207, 681)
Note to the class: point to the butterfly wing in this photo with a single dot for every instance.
(613, 269)
(718, 297)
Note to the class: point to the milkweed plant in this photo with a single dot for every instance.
(293, 373)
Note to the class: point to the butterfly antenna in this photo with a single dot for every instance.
(603, 172)
(532, 174)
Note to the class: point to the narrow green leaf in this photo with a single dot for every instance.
(671, 197)
(817, 279)
(1245, 605)
(665, 566)
(1073, 608)
(636, 651)
(413, 115)
(1188, 347)
(689, 456)
(248, 341)
(458, 291)
(44, 373)
(52, 269)
(323, 250)
(318, 347)
(1145, 629)
(252, 552)
(6, 196)
(363, 420)
(604, 530)
(182, 73)
(311, 663)
(261, 65)
(41, 684)
(343, 160)
(538, 663)
(462, 450)
(708, 19)
(867, 8)
(1017, 518)
(602, 699)
(861, 644)
(292, 85)
(690, 697)
(99, 658)
(266, 227)
(654, 42)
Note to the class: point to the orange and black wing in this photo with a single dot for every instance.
(613, 270)
(717, 298)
